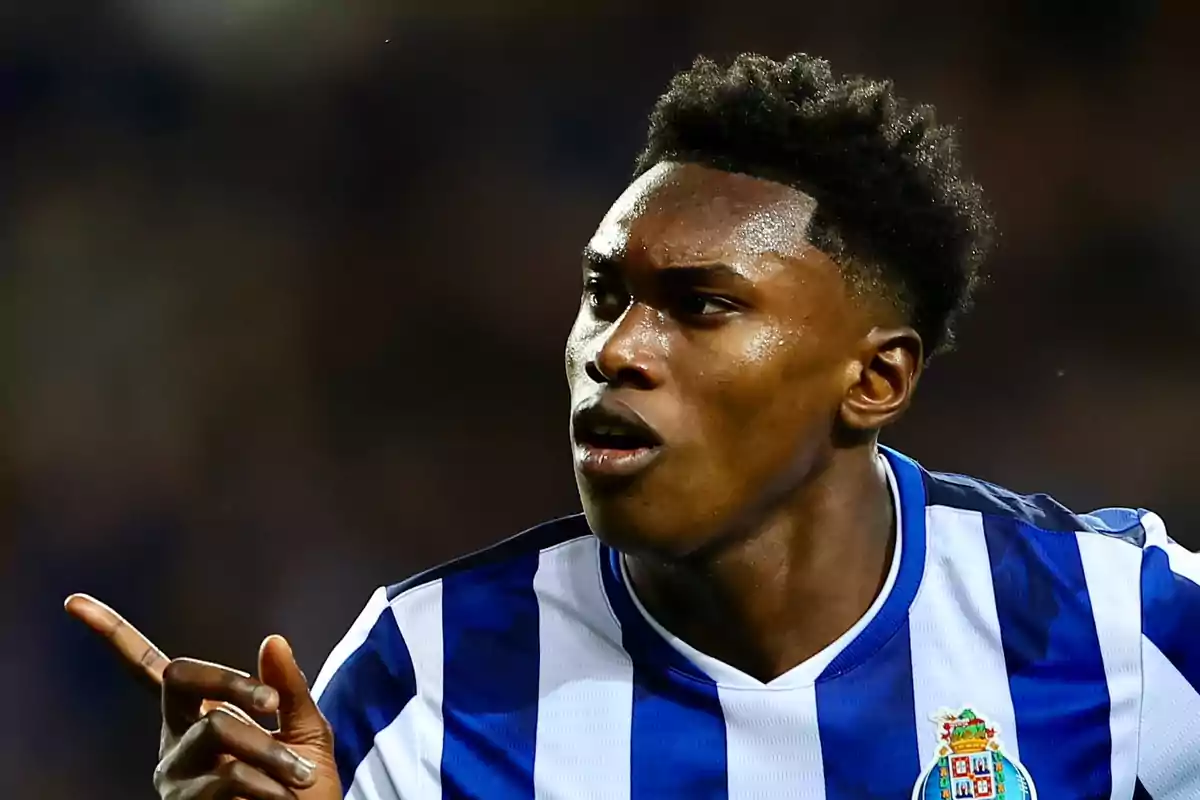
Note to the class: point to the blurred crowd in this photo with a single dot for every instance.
(284, 288)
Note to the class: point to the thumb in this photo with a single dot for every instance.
(300, 721)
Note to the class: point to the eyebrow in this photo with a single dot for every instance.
(684, 274)
(703, 273)
(597, 260)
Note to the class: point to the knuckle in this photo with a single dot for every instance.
(178, 672)
(164, 785)
(230, 770)
(160, 778)
(171, 673)
(219, 724)
(236, 774)
(206, 729)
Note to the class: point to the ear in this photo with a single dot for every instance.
(881, 381)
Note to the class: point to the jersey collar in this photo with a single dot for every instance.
(649, 643)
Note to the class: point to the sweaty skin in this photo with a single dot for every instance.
(763, 530)
(759, 531)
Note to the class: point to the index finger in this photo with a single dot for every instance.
(139, 653)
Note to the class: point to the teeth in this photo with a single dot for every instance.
(609, 430)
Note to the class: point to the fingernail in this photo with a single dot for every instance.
(304, 768)
(263, 698)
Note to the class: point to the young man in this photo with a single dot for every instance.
(759, 601)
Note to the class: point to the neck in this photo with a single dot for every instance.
(789, 584)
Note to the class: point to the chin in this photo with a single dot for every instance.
(631, 522)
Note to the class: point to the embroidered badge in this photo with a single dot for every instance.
(971, 764)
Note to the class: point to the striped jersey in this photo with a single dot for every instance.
(1017, 650)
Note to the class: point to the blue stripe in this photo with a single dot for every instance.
(368, 692)
(1170, 608)
(869, 685)
(490, 680)
(677, 741)
(867, 717)
(1055, 668)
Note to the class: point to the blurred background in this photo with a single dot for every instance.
(284, 287)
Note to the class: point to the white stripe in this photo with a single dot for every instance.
(954, 632)
(585, 681)
(1169, 764)
(1170, 746)
(1112, 569)
(372, 781)
(411, 747)
(1156, 531)
(351, 641)
(773, 748)
(1183, 561)
(405, 762)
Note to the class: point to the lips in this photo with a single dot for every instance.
(612, 424)
(612, 440)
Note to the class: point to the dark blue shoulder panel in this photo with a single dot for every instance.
(1039, 510)
(533, 540)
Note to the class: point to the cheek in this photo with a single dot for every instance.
(759, 365)
(777, 392)
(765, 348)
(578, 341)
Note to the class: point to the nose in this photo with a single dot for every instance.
(632, 352)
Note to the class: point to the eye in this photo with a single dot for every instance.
(699, 304)
(604, 295)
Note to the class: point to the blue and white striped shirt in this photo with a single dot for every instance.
(1017, 650)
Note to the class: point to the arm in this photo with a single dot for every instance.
(1169, 742)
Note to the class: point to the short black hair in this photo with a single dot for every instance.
(893, 206)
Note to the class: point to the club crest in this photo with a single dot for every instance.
(971, 764)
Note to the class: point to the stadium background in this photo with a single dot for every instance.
(284, 287)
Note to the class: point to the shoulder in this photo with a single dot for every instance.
(470, 613)
(1038, 510)
(494, 567)
(1104, 552)
(1123, 557)
(401, 622)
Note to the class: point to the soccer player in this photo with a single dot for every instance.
(759, 600)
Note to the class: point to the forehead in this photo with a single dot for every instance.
(681, 212)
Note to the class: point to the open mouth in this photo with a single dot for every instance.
(612, 425)
(612, 440)
(606, 437)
